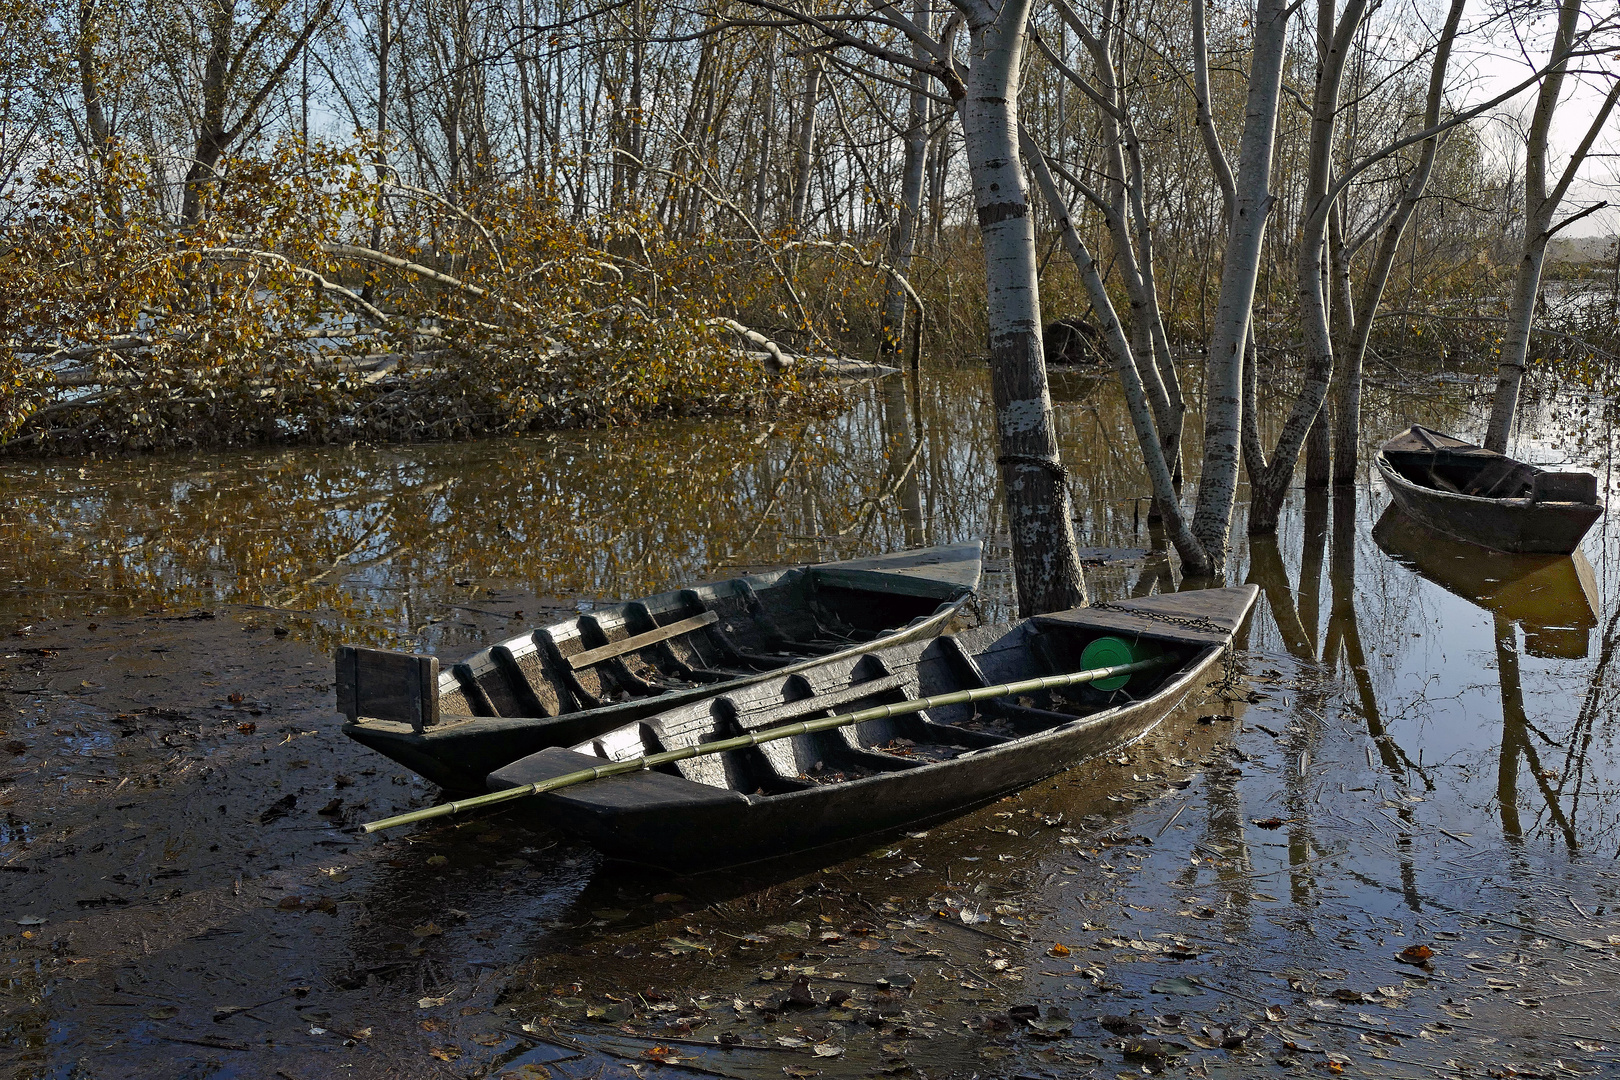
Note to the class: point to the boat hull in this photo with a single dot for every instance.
(1514, 525)
(1486, 498)
(926, 589)
(687, 825)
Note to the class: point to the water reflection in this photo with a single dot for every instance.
(1551, 597)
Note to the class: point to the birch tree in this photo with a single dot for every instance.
(1541, 205)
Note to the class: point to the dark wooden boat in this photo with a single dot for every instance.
(559, 684)
(1487, 498)
(1553, 598)
(881, 775)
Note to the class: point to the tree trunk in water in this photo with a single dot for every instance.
(1540, 206)
(1223, 390)
(1347, 405)
(1333, 49)
(1516, 343)
(1193, 559)
(1319, 451)
(1045, 566)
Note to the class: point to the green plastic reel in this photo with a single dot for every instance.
(1112, 652)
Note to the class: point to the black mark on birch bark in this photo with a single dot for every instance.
(1001, 211)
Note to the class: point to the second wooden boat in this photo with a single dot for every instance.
(1486, 498)
(815, 789)
(578, 678)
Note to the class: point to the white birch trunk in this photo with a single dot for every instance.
(1193, 559)
(1223, 393)
(1045, 565)
(1310, 273)
(903, 243)
(805, 159)
(1347, 404)
(1540, 207)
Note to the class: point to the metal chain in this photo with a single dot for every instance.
(1190, 622)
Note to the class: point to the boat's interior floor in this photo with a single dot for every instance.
(890, 744)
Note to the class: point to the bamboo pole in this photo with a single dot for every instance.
(754, 738)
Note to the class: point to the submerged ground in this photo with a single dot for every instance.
(1385, 848)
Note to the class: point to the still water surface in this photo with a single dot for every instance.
(1428, 730)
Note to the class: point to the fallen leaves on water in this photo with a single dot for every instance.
(1415, 954)
(1058, 949)
(1120, 1025)
(800, 1072)
(247, 728)
(661, 1054)
(1179, 985)
(431, 1002)
(681, 946)
(445, 1053)
(427, 930)
(789, 929)
(437, 860)
(1268, 823)
(167, 1012)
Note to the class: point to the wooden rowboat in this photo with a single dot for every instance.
(575, 679)
(881, 775)
(1486, 498)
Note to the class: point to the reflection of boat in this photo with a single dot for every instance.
(578, 678)
(827, 786)
(1553, 597)
(1485, 498)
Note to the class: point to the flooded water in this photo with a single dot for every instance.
(1419, 751)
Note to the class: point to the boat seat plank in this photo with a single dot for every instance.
(962, 663)
(1503, 478)
(641, 641)
(627, 792)
(1577, 487)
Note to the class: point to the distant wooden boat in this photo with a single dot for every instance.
(575, 679)
(1486, 498)
(881, 775)
(1553, 598)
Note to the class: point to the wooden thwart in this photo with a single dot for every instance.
(641, 641)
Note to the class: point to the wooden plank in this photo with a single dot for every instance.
(641, 641)
(380, 684)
